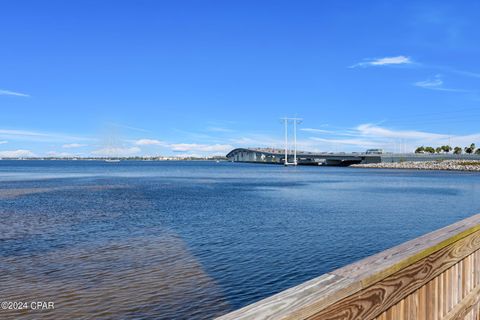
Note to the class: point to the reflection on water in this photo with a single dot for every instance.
(12, 192)
(154, 277)
(139, 278)
(188, 240)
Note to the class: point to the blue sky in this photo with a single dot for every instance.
(201, 77)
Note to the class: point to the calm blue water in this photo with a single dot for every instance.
(163, 240)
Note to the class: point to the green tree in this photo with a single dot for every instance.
(477, 151)
(429, 150)
(470, 149)
(447, 148)
(457, 150)
(438, 149)
(420, 149)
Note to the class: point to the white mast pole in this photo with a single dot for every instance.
(286, 141)
(295, 122)
(295, 142)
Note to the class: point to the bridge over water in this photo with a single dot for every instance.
(277, 156)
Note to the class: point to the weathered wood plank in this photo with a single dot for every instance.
(440, 296)
(371, 301)
(305, 296)
(413, 306)
(401, 310)
(445, 293)
(461, 310)
(422, 307)
(379, 266)
(430, 300)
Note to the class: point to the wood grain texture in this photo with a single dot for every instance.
(372, 301)
(434, 296)
(425, 278)
(462, 309)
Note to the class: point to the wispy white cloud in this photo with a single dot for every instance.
(117, 151)
(365, 143)
(260, 140)
(447, 69)
(466, 73)
(397, 60)
(3, 141)
(20, 153)
(267, 141)
(119, 125)
(219, 129)
(369, 130)
(59, 154)
(436, 83)
(198, 136)
(344, 132)
(73, 145)
(465, 140)
(149, 142)
(189, 155)
(194, 147)
(247, 141)
(375, 136)
(313, 130)
(12, 93)
(38, 136)
(186, 147)
(22, 133)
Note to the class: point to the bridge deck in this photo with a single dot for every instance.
(277, 156)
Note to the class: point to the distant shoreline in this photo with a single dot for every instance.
(445, 165)
(121, 159)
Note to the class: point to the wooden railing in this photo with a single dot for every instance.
(435, 276)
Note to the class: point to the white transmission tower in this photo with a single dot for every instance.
(295, 121)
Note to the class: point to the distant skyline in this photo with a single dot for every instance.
(194, 78)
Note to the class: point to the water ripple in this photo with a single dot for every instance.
(192, 240)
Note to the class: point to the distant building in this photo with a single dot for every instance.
(375, 151)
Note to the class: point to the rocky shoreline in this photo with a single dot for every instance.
(452, 165)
